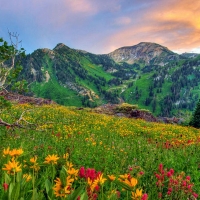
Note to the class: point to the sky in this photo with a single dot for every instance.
(101, 26)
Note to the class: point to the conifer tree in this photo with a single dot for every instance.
(195, 122)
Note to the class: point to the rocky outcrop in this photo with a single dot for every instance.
(113, 109)
(145, 51)
(21, 99)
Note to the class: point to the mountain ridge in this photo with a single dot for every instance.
(160, 80)
(146, 51)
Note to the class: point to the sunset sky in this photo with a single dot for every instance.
(101, 26)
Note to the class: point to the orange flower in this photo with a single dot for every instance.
(12, 167)
(125, 176)
(27, 177)
(100, 179)
(69, 165)
(73, 172)
(136, 194)
(35, 164)
(111, 177)
(33, 160)
(51, 159)
(60, 190)
(132, 182)
(6, 151)
(16, 152)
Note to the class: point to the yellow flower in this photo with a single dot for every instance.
(35, 167)
(16, 152)
(125, 176)
(51, 159)
(60, 190)
(12, 167)
(132, 182)
(111, 177)
(33, 160)
(66, 156)
(72, 171)
(6, 151)
(69, 165)
(69, 181)
(93, 185)
(35, 164)
(27, 177)
(136, 194)
(89, 181)
(101, 180)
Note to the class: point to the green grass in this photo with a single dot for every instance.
(108, 144)
(95, 69)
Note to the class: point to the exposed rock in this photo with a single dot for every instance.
(111, 109)
(47, 76)
(190, 55)
(146, 51)
(17, 98)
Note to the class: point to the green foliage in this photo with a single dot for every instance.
(145, 110)
(4, 103)
(195, 122)
(9, 66)
(125, 108)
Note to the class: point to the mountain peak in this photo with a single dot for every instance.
(60, 45)
(146, 51)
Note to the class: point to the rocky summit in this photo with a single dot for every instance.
(150, 53)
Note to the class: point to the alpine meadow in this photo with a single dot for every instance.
(100, 100)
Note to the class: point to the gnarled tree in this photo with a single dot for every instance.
(9, 70)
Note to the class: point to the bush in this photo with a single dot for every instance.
(125, 108)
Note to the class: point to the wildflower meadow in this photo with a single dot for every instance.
(65, 153)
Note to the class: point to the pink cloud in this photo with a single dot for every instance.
(83, 6)
(122, 21)
(175, 24)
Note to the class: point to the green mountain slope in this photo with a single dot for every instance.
(69, 76)
(167, 90)
(146, 74)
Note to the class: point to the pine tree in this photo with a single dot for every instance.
(195, 122)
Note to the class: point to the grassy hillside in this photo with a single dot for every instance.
(167, 90)
(72, 77)
(160, 159)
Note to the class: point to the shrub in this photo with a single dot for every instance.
(125, 108)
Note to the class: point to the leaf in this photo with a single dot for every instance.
(19, 176)
(7, 178)
(63, 175)
(49, 189)
(16, 192)
(48, 185)
(84, 196)
(124, 185)
(76, 193)
(35, 194)
(11, 186)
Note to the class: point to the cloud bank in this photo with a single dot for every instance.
(102, 26)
